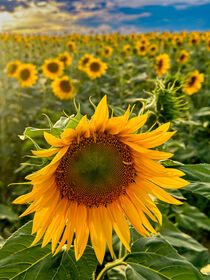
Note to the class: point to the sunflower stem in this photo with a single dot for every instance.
(108, 267)
(122, 250)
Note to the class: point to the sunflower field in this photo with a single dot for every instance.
(105, 156)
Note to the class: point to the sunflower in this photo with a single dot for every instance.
(177, 40)
(95, 68)
(183, 57)
(65, 58)
(12, 68)
(101, 173)
(71, 46)
(63, 88)
(208, 44)
(153, 49)
(162, 64)
(141, 49)
(27, 75)
(127, 49)
(52, 68)
(193, 82)
(194, 40)
(107, 51)
(84, 61)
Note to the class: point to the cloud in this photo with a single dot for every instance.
(42, 17)
(51, 16)
(142, 3)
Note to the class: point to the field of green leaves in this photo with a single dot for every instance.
(47, 84)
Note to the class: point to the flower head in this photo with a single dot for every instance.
(84, 61)
(193, 82)
(27, 75)
(101, 174)
(63, 88)
(12, 68)
(53, 68)
(71, 46)
(65, 58)
(183, 57)
(162, 64)
(95, 68)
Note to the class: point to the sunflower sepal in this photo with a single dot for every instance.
(74, 121)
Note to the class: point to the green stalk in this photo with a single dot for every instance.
(108, 267)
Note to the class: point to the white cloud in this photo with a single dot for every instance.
(142, 3)
(50, 16)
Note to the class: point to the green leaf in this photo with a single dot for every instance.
(154, 258)
(187, 246)
(7, 213)
(199, 176)
(31, 132)
(18, 261)
(190, 218)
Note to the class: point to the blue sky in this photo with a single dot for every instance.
(83, 16)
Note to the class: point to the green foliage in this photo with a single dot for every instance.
(20, 261)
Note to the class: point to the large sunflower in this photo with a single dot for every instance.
(27, 75)
(12, 68)
(162, 64)
(101, 174)
(52, 68)
(193, 82)
(95, 68)
(63, 88)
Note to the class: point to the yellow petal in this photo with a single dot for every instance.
(132, 215)
(83, 127)
(139, 209)
(134, 124)
(46, 152)
(52, 140)
(97, 238)
(106, 227)
(156, 191)
(59, 155)
(100, 116)
(68, 135)
(81, 232)
(120, 224)
(169, 183)
(62, 222)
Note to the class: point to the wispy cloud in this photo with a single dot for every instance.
(143, 3)
(52, 16)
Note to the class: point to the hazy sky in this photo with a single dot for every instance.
(83, 16)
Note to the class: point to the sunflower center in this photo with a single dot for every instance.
(95, 171)
(65, 86)
(63, 59)
(53, 67)
(192, 81)
(95, 66)
(24, 74)
(142, 48)
(182, 57)
(12, 68)
(160, 64)
(85, 61)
